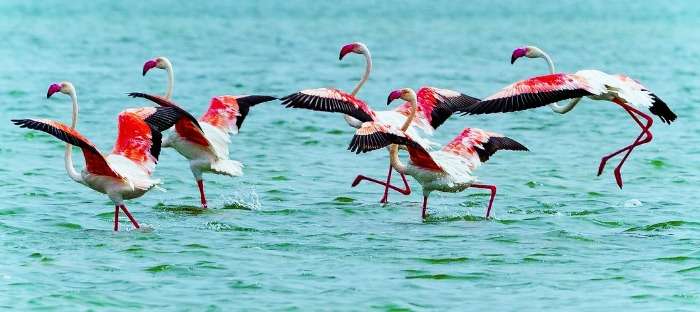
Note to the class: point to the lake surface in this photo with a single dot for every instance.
(292, 234)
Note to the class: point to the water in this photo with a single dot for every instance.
(291, 234)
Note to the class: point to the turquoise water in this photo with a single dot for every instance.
(291, 234)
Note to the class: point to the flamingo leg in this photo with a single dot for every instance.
(424, 212)
(406, 191)
(385, 198)
(128, 214)
(203, 199)
(493, 195)
(116, 218)
(645, 128)
(633, 112)
(647, 139)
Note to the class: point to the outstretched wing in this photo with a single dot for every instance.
(374, 135)
(477, 145)
(95, 163)
(330, 100)
(227, 112)
(186, 126)
(534, 92)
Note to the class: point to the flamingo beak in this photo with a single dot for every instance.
(393, 96)
(345, 50)
(147, 66)
(517, 53)
(53, 89)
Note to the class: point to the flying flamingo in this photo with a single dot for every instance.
(596, 85)
(205, 147)
(435, 106)
(447, 170)
(125, 173)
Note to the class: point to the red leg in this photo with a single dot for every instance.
(203, 199)
(425, 207)
(493, 195)
(385, 198)
(647, 139)
(128, 214)
(645, 130)
(406, 191)
(116, 218)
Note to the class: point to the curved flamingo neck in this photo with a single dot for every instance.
(171, 78)
(394, 149)
(365, 76)
(395, 160)
(561, 109)
(411, 114)
(70, 168)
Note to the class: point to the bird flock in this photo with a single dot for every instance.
(127, 171)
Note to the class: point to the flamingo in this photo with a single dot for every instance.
(435, 106)
(205, 147)
(126, 172)
(447, 170)
(596, 85)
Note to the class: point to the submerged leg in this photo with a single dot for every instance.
(116, 218)
(202, 198)
(493, 195)
(424, 212)
(128, 214)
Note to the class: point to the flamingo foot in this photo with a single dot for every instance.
(385, 199)
(424, 212)
(618, 176)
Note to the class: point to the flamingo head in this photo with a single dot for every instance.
(64, 87)
(355, 47)
(159, 62)
(527, 51)
(406, 94)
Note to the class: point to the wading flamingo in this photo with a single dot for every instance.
(205, 147)
(596, 85)
(125, 173)
(447, 170)
(435, 106)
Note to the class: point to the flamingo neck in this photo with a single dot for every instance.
(395, 160)
(394, 149)
(411, 114)
(171, 79)
(70, 168)
(561, 109)
(368, 69)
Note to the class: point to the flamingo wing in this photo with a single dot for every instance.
(634, 92)
(227, 112)
(374, 135)
(477, 146)
(186, 126)
(330, 100)
(535, 92)
(95, 163)
(138, 140)
(439, 104)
